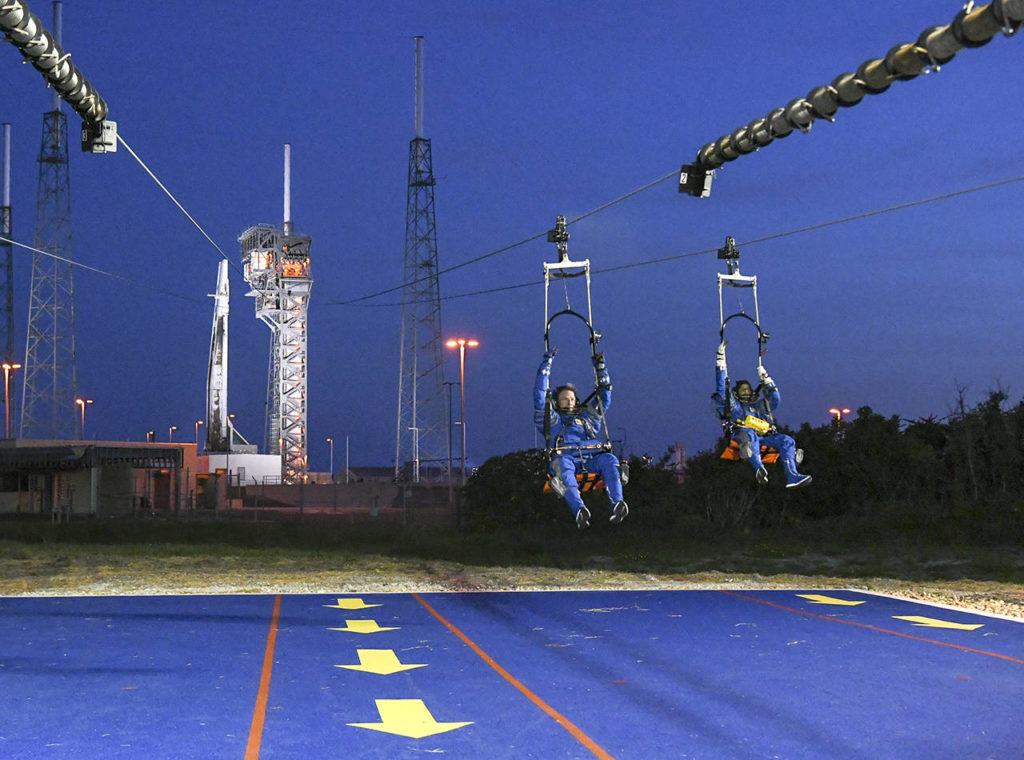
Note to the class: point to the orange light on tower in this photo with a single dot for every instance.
(462, 344)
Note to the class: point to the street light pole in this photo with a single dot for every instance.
(838, 413)
(346, 459)
(415, 454)
(198, 423)
(449, 384)
(170, 432)
(461, 344)
(331, 441)
(82, 402)
(838, 431)
(7, 396)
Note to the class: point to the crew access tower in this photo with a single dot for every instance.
(276, 265)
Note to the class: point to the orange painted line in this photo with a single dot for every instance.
(872, 627)
(259, 713)
(564, 722)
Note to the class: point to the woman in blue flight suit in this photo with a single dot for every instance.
(574, 432)
(751, 424)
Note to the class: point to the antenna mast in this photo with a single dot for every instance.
(421, 438)
(50, 380)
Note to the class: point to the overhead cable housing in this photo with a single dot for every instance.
(26, 32)
(972, 27)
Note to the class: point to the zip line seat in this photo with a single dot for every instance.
(769, 455)
(588, 481)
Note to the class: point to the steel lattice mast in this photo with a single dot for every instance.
(421, 438)
(276, 265)
(50, 380)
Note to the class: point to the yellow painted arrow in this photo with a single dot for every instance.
(408, 717)
(927, 622)
(380, 661)
(362, 626)
(351, 604)
(820, 599)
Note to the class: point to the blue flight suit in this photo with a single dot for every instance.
(580, 428)
(750, 440)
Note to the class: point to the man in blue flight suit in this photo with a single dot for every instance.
(574, 432)
(751, 424)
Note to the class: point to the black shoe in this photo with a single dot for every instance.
(583, 518)
(619, 512)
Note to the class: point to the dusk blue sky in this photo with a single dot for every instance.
(535, 109)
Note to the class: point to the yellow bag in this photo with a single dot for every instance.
(756, 424)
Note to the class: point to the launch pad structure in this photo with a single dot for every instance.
(276, 266)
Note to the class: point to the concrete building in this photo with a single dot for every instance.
(98, 478)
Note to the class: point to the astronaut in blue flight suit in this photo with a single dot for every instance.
(751, 424)
(574, 431)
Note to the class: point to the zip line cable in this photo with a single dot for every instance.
(822, 225)
(102, 272)
(581, 217)
(538, 236)
(176, 203)
(706, 251)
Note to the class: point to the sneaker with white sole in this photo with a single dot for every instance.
(619, 512)
(583, 518)
(803, 480)
(762, 475)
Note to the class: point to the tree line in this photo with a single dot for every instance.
(956, 478)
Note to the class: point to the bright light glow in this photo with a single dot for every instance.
(82, 402)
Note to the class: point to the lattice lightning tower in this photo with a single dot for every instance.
(50, 381)
(421, 439)
(276, 265)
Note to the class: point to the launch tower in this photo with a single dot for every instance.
(276, 265)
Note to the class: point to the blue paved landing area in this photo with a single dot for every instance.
(550, 675)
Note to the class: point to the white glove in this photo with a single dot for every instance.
(720, 356)
(763, 374)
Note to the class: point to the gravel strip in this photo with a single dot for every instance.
(90, 574)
